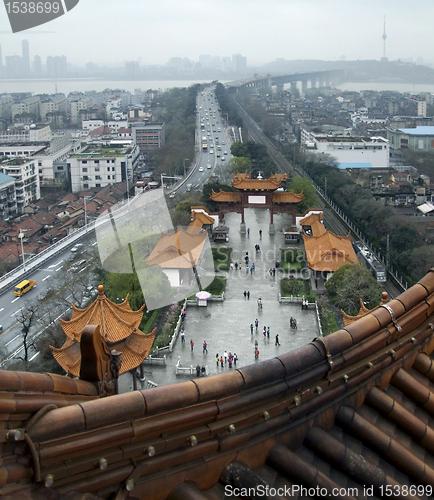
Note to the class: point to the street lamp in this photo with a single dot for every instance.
(21, 236)
(187, 159)
(85, 214)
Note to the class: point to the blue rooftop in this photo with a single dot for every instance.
(420, 130)
(5, 178)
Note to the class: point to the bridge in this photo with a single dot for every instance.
(316, 79)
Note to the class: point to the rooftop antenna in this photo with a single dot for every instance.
(384, 58)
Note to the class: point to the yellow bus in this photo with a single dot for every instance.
(24, 287)
(204, 146)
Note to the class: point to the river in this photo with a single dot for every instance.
(67, 85)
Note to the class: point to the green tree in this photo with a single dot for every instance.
(301, 184)
(350, 284)
(240, 164)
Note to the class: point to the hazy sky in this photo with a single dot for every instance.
(113, 31)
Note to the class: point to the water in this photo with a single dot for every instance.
(67, 85)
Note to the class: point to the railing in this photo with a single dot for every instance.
(155, 360)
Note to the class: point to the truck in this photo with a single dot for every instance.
(24, 287)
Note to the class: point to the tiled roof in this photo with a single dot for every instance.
(310, 219)
(285, 197)
(351, 410)
(119, 329)
(117, 321)
(202, 217)
(225, 196)
(244, 182)
(179, 249)
(327, 252)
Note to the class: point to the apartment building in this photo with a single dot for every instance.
(148, 136)
(28, 106)
(100, 165)
(37, 132)
(54, 104)
(25, 174)
(8, 201)
(417, 139)
(115, 125)
(78, 104)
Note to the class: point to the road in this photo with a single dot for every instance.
(211, 130)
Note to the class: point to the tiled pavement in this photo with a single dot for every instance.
(226, 325)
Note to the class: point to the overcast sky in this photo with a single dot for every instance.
(113, 31)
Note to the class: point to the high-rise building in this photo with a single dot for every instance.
(57, 66)
(26, 58)
(239, 63)
(37, 65)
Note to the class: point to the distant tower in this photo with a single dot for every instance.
(26, 58)
(384, 58)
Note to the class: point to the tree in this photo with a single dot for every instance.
(301, 184)
(350, 284)
(27, 318)
(240, 164)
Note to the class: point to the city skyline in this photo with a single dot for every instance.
(261, 32)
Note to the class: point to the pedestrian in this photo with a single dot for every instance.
(251, 270)
(232, 266)
(248, 295)
(265, 331)
(274, 272)
(225, 355)
(236, 266)
(295, 324)
(277, 339)
(191, 345)
(256, 353)
(253, 266)
(268, 332)
(198, 370)
(235, 359)
(217, 359)
(221, 362)
(259, 303)
(260, 234)
(256, 324)
(291, 322)
(203, 371)
(230, 359)
(247, 269)
(251, 328)
(182, 336)
(204, 347)
(248, 231)
(240, 266)
(256, 344)
(245, 294)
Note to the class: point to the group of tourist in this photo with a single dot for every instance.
(229, 358)
(293, 323)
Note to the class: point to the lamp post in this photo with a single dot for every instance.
(85, 213)
(187, 159)
(21, 236)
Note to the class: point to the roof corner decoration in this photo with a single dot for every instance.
(118, 327)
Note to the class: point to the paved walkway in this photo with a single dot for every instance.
(226, 325)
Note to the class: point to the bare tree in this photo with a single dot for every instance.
(27, 318)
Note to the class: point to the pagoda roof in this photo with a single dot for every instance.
(119, 328)
(225, 196)
(244, 182)
(117, 321)
(180, 249)
(328, 252)
(285, 197)
(202, 217)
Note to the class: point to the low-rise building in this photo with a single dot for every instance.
(419, 139)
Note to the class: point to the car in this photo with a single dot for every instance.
(76, 247)
(211, 151)
(223, 158)
(208, 165)
(218, 155)
(225, 152)
(223, 142)
(200, 169)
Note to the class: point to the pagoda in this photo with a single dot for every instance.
(254, 193)
(119, 331)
